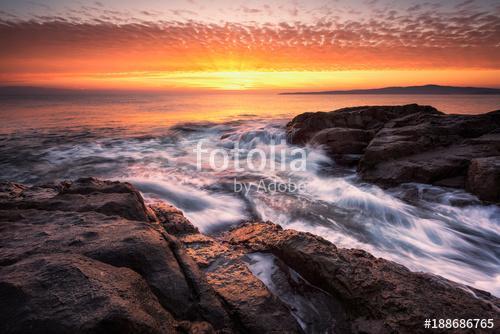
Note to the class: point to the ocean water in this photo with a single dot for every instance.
(150, 141)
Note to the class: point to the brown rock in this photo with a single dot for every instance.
(398, 144)
(304, 126)
(84, 195)
(65, 293)
(483, 178)
(33, 225)
(434, 151)
(340, 143)
(379, 296)
(172, 219)
(78, 270)
(256, 309)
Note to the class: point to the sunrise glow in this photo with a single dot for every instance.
(269, 45)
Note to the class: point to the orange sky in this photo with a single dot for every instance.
(458, 46)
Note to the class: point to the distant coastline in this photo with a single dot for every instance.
(410, 90)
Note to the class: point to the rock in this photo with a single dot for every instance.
(78, 268)
(73, 222)
(250, 301)
(133, 242)
(172, 219)
(199, 327)
(399, 144)
(483, 178)
(304, 126)
(84, 195)
(65, 293)
(432, 151)
(378, 296)
(342, 142)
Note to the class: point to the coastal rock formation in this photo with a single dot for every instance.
(483, 178)
(377, 296)
(100, 222)
(411, 143)
(369, 118)
(91, 256)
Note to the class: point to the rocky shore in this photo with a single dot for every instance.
(391, 145)
(91, 256)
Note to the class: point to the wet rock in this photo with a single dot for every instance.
(483, 178)
(405, 143)
(315, 310)
(343, 143)
(198, 327)
(84, 195)
(304, 126)
(378, 296)
(30, 227)
(172, 219)
(253, 306)
(65, 293)
(431, 150)
(76, 269)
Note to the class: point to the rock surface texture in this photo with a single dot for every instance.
(91, 257)
(411, 143)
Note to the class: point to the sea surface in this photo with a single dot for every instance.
(150, 141)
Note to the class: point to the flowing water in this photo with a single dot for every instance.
(150, 141)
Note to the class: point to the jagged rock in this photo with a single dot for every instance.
(68, 293)
(411, 143)
(72, 269)
(342, 143)
(84, 195)
(483, 178)
(378, 296)
(304, 126)
(172, 219)
(256, 309)
(31, 227)
(430, 151)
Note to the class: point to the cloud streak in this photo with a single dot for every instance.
(420, 37)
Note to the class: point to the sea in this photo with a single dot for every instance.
(154, 140)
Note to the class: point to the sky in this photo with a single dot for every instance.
(249, 45)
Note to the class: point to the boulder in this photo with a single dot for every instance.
(377, 296)
(399, 144)
(304, 126)
(343, 140)
(69, 293)
(251, 302)
(483, 178)
(74, 222)
(76, 269)
(431, 150)
(84, 195)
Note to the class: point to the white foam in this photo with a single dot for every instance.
(431, 234)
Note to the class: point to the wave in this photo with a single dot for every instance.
(433, 229)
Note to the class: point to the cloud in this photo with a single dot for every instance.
(416, 38)
(294, 11)
(415, 8)
(465, 3)
(182, 12)
(248, 10)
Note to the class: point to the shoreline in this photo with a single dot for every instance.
(144, 267)
(90, 224)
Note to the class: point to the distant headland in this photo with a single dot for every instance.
(410, 90)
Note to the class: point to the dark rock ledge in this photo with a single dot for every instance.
(91, 257)
(411, 143)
